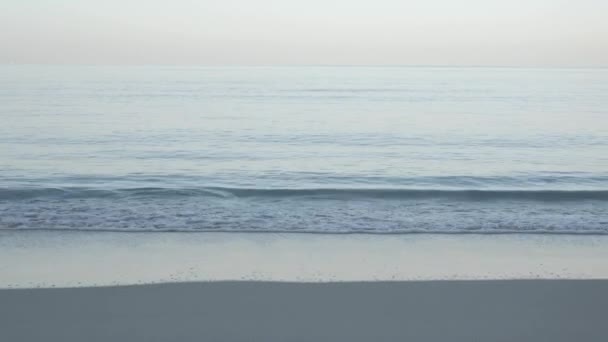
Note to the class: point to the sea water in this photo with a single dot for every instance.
(304, 149)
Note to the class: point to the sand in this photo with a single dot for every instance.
(501, 310)
(79, 259)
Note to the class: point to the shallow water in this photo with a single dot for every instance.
(306, 149)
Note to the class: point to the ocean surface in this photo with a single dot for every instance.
(304, 149)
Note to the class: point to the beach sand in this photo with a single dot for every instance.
(503, 310)
(84, 286)
(89, 259)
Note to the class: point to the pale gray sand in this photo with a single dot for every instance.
(75, 259)
(518, 310)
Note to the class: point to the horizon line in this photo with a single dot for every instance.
(472, 66)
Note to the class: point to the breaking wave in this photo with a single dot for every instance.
(225, 192)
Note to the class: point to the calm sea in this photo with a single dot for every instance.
(304, 149)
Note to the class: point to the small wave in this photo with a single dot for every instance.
(323, 232)
(8, 194)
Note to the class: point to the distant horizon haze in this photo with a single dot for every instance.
(534, 33)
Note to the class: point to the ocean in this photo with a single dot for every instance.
(375, 150)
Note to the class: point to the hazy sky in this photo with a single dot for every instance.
(267, 32)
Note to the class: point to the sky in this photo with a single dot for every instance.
(305, 32)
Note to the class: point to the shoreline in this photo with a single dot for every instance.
(315, 232)
(463, 310)
(84, 259)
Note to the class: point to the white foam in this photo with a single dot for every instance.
(70, 259)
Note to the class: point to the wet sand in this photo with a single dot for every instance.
(501, 310)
